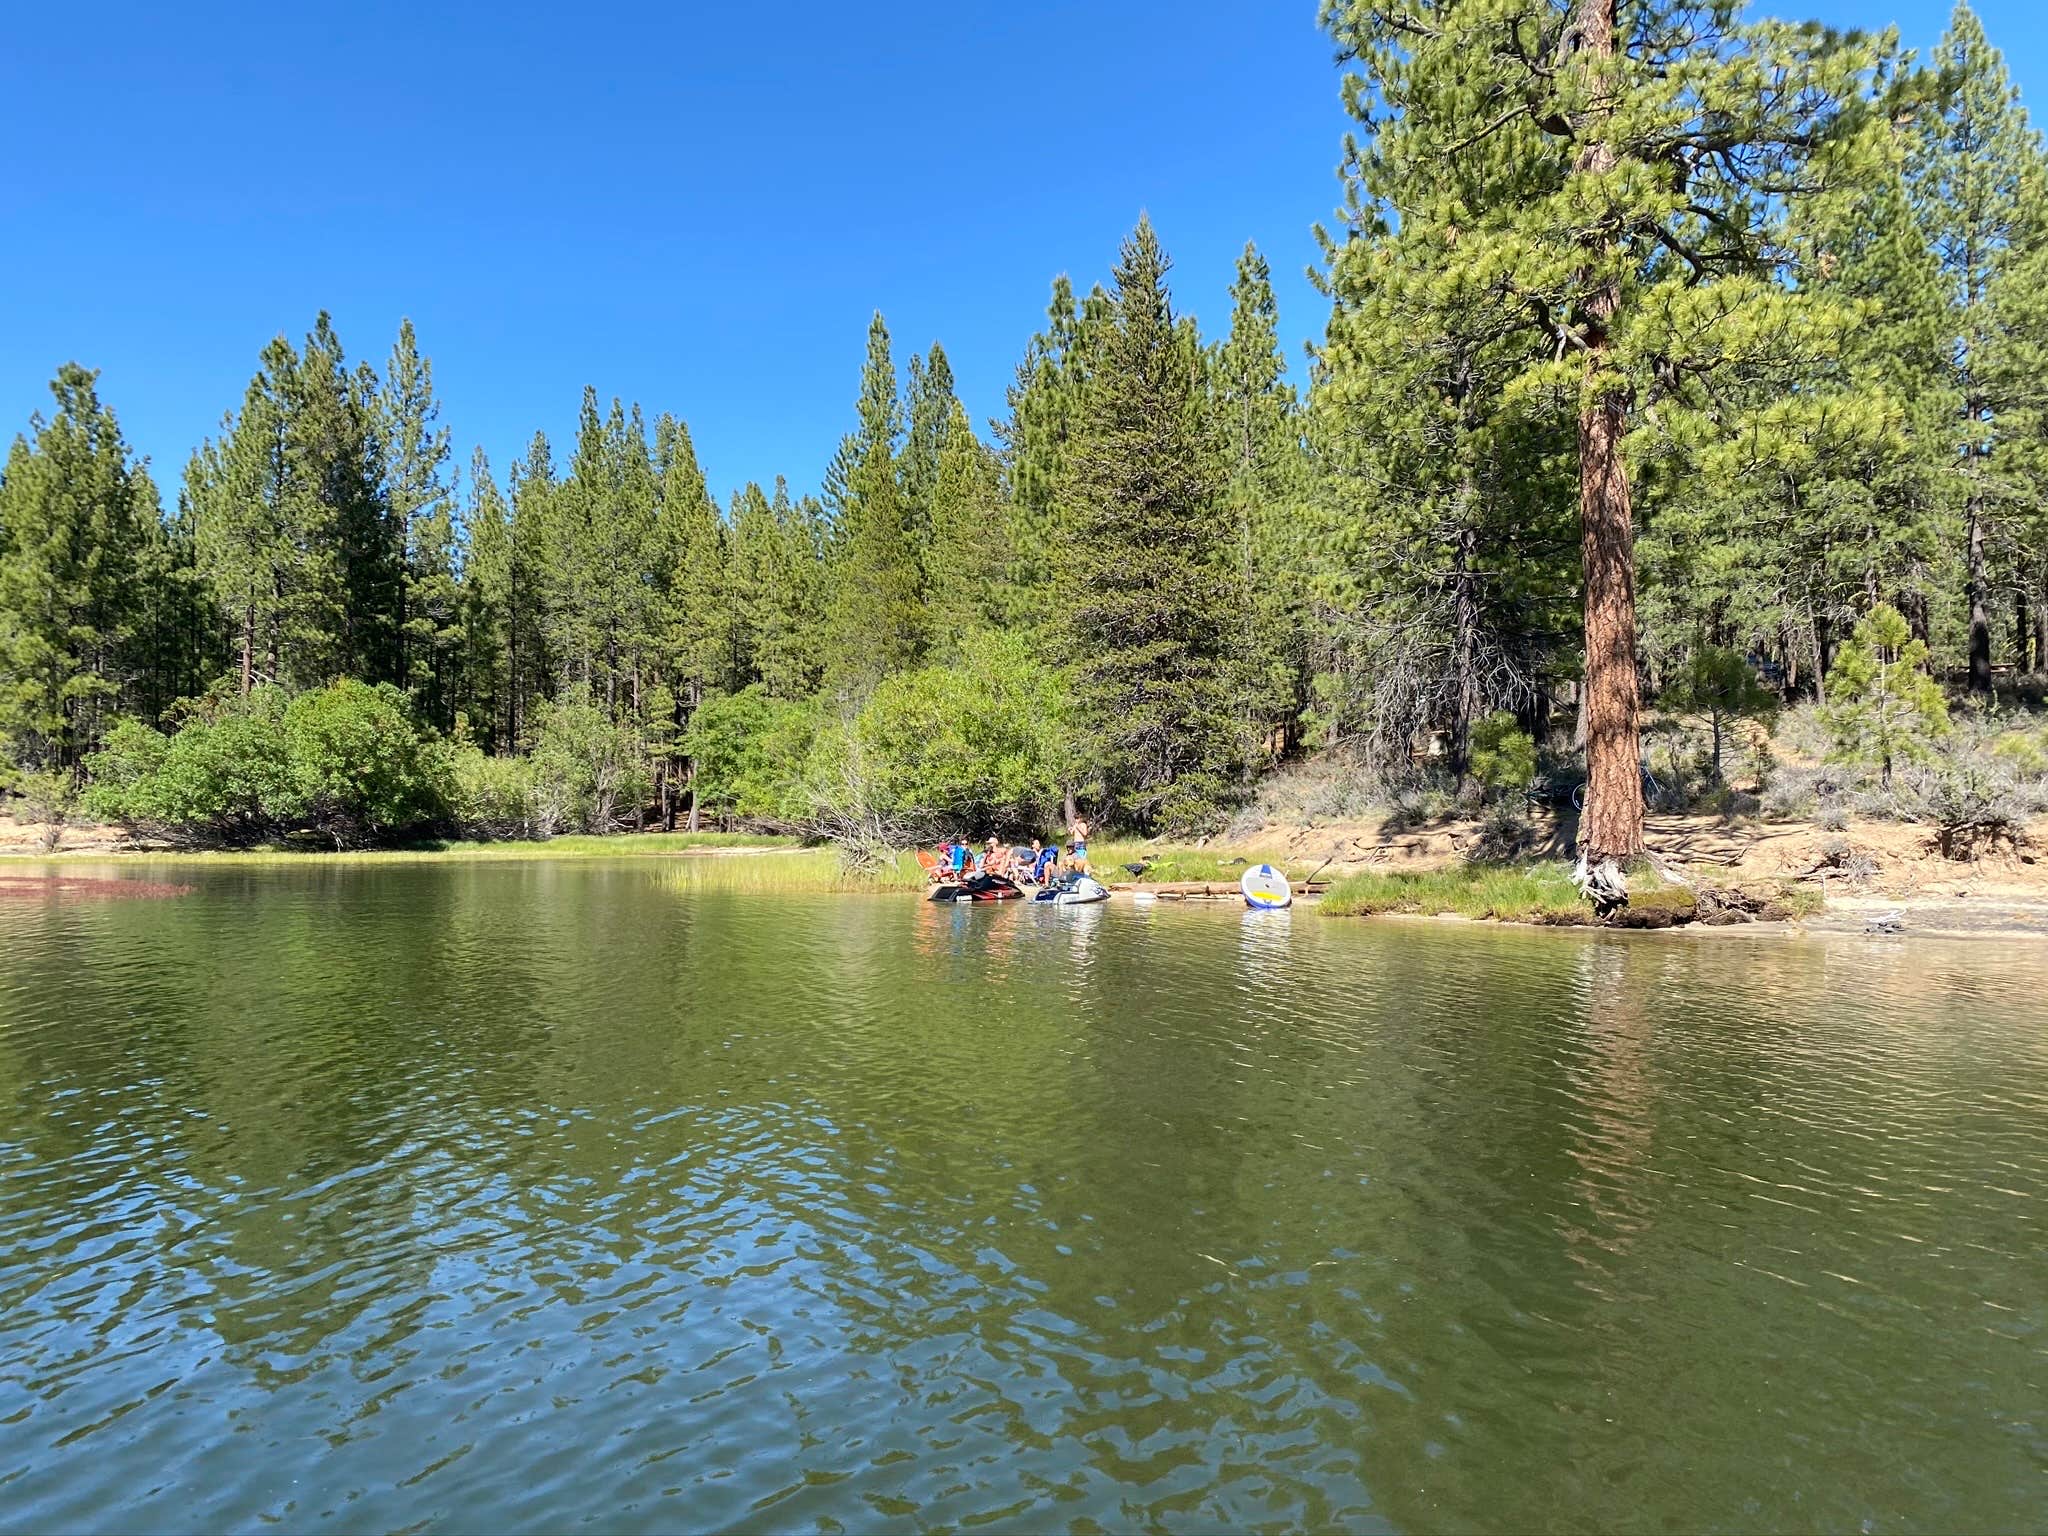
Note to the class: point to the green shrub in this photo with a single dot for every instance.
(1503, 754)
(750, 751)
(981, 743)
(48, 796)
(586, 767)
(361, 766)
(1882, 706)
(2024, 752)
(347, 762)
(1718, 684)
(225, 777)
(132, 752)
(490, 798)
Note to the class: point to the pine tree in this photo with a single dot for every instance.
(699, 624)
(877, 622)
(1886, 707)
(788, 655)
(751, 539)
(1149, 606)
(76, 516)
(530, 626)
(1973, 169)
(605, 603)
(177, 641)
(419, 505)
(346, 624)
(486, 609)
(1444, 541)
(969, 557)
(566, 559)
(1260, 437)
(929, 413)
(1602, 175)
(1043, 401)
(266, 540)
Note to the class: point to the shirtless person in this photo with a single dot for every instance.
(1077, 844)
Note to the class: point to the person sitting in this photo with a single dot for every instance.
(959, 858)
(994, 861)
(1044, 861)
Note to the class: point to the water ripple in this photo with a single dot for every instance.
(526, 1196)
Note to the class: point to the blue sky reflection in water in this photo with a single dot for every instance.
(515, 1196)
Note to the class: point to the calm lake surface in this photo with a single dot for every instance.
(522, 1196)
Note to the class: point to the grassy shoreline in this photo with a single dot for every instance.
(1518, 893)
(1534, 892)
(619, 845)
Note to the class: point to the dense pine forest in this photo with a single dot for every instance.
(1677, 362)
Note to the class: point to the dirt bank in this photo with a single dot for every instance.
(1864, 870)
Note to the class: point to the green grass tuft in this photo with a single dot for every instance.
(1164, 864)
(797, 869)
(1509, 893)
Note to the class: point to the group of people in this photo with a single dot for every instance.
(1038, 864)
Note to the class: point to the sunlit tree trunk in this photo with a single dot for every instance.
(1611, 830)
(1980, 616)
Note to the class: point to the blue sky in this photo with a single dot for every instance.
(693, 205)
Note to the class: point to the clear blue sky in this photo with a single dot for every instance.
(692, 205)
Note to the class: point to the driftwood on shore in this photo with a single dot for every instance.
(1205, 888)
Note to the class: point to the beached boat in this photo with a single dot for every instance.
(1076, 891)
(977, 888)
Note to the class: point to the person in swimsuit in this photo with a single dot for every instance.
(1077, 844)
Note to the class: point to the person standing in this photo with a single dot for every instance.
(1077, 843)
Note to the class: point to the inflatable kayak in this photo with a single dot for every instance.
(1265, 889)
(1080, 891)
(977, 888)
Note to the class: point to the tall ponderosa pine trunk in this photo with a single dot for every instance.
(1465, 623)
(2040, 612)
(1611, 829)
(1980, 614)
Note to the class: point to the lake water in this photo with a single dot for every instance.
(525, 1196)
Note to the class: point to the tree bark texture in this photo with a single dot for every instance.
(1980, 617)
(2041, 628)
(1465, 600)
(1611, 828)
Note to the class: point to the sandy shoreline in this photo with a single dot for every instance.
(1896, 867)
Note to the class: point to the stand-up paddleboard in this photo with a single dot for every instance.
(1265, 889)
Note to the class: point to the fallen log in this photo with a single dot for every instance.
(1215, 888)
